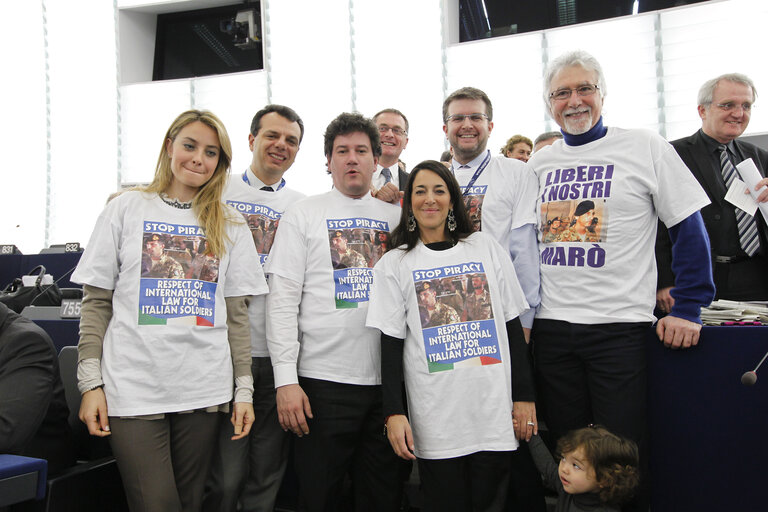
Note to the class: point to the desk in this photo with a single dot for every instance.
(709, 433)
(63, 332)
(16, 265)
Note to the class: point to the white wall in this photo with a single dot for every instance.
(74, 140)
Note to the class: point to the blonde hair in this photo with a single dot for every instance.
(515, 139)
(211, 213)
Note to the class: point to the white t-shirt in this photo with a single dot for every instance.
(335, 343)
(606, 272)
(166, 346)
(502, 198)
(451, 308)
(262, 211)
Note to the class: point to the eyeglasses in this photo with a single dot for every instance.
(459, 118)
(731, 106)
(582, 90)
(397, 131)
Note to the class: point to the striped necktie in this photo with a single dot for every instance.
(387, 175)
(748, 238)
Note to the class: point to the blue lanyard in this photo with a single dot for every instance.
(478, 172)
(245, 179)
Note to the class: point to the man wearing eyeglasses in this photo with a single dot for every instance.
(591, 354)
(503, 190)
(739, 240)
(500, 194)
(390, 178)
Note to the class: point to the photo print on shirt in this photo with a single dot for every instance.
(262, 221)
(473, 200)
(178, 276)
(456, 315)
(577, 220)
(356, 244)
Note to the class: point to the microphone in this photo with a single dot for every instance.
(750, 378)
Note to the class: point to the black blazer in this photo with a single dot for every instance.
(719, 216)
(402, 178)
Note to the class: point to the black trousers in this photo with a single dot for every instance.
(477, 482)
(595, 374)
(250, 470)
(526, 491)
(346, 435)
(745, 280)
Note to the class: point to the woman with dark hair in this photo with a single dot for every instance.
(461, 377)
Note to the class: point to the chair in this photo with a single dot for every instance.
(94, 482)
(21, 479)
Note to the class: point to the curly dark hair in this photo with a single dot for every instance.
(614, 459)
(347, 123)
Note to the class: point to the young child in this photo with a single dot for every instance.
(598, 470)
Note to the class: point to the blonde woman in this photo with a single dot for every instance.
(163, 338)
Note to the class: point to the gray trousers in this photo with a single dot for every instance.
(250, 470)
(164, 463)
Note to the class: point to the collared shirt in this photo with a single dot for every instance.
(472, 164)
(255, 182)
(510, 194)
(713, 151)
(378, 178)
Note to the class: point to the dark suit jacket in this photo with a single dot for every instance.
(402, 178)
(719, 216)
(33, 408)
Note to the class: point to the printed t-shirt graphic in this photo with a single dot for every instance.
(473, 200)
(356, 244)
(262, 221)
(579, 220)
(456, 333)
(574, 209)
(178, 276)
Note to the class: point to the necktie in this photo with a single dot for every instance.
(267, 188)
(387, 175)
(748, 238)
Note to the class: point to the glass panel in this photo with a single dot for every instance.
(508, 69)
(234, 99)
(393, 72)
(23, 178)
(83, 116)
(308, 58)
(629, 68)
(147, 110)
(692, 56)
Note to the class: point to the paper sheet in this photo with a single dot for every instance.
(749, 173)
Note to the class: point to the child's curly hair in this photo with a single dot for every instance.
(614, 459)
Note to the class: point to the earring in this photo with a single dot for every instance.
(451, 221)
(411, 225)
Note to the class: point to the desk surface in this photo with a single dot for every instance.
(16, 265)
(709, 432)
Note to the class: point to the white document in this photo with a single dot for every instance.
(738, 197)
(749, 173)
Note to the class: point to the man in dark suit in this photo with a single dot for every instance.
(390, 177)
(739, 247)
(33, 408)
